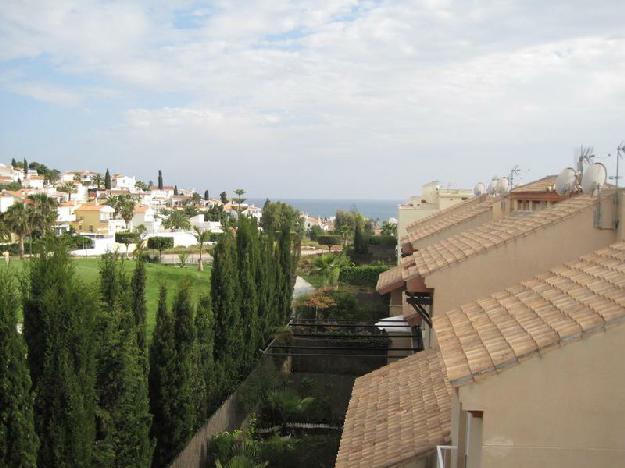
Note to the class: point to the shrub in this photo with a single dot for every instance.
(384, 240)
(329, 240)
(362, 275)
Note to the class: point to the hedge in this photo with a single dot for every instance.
(362, 275)
(383, 240)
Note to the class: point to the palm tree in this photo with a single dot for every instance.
(177, 220)
(202, 237)
(239, 199)
(43, 213)
(329, 268)
(68, 188)
(17, 220)
(124, 207)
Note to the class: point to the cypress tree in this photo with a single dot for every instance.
(18, 439)
(13, 163)
(59, 327)
(248, 258)
(139, 307)
(107, 180)
(175, 190)
(285, 266)
(160, 180)
(25, 168)
(225, 297)
(123, 418)
(207, 384)
(206, 197)
(266, 280)
(162, 389)
(184, 370)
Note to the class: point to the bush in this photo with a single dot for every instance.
(387, 241)
(329, 240)
(126, 237)
(362, 275)
(161, 243)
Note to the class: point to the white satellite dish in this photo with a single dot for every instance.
(566, 181)
(502, 186)
(479, 189)
(594, 178)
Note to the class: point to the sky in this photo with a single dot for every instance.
(312, 99)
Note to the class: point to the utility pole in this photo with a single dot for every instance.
(515, 171)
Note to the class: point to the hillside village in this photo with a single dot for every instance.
(97, 206)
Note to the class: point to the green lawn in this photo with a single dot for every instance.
(168, 275)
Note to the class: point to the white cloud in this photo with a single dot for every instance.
(338, 86)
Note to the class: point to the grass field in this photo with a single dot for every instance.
(168, 275)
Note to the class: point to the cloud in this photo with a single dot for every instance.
(387, 92)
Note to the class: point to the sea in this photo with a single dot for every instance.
(381, 210)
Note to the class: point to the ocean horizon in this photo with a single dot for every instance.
(373, 209)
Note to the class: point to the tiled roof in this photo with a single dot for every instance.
(540, 185)
(397, 413)
(390, 279)
(566, 304)
(457, 248)
(450, 217)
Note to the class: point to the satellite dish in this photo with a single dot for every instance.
(566, 181)
(479, 189)
(594, 178)
(502, 186)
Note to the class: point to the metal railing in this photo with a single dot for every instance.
(443, 455)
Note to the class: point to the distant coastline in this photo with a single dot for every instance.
(373, 209)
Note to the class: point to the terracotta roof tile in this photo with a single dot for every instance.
(389, 280)
(540, 185)
(466, 244)
(397, 413)
(451, 216)
(568, 303)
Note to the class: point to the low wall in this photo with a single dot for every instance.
(228, 417)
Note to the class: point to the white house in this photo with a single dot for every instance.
(6, 200)
(210, 226)
(65, 217)
(121, 181)
(10, 173)
(34, 182)
(145, 216)
(181, 238)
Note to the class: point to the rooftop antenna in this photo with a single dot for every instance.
(566, 181)
(594, 178)
(515, 171)
(585, 157)
(620, 152)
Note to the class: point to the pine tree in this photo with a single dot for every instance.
(207, 384)
(248, 258)
(18, 439)
(139, 306)
(160, 180)
(123, 418)
(162, 389)
(225, 297)
(107, 180)
(59, 331)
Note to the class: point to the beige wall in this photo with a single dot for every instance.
(563, 409)
(515, 261)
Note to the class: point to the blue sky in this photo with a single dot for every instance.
(321, 99)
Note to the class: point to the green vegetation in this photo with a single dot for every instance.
(18, 440)
(156, 275)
